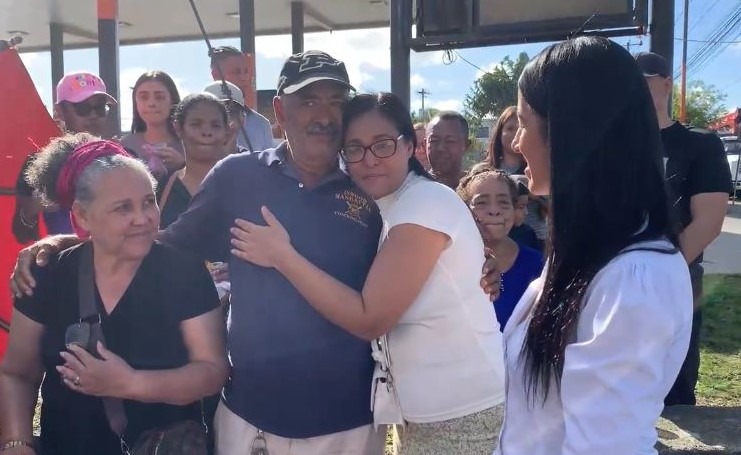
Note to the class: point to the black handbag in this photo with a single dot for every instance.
(182, 438)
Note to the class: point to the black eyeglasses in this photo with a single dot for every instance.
(85, 109)
(380, 149)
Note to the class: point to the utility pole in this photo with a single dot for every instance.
(423, 94)
(683, 97)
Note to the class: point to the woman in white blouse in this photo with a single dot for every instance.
(595, 344)
(422, 290)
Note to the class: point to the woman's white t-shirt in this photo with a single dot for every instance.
(446, 351)
(630, 341)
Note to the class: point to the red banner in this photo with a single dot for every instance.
(25, 125)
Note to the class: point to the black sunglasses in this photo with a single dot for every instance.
(85, 109)
(380, 149)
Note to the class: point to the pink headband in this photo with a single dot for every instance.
(75, 165)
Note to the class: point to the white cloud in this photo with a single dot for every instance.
(441, 105)
(362, 51)
(417, 81)
(431, 58)
(29, 58)
(447, 105)
(490, 67)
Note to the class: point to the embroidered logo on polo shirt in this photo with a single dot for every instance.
(357, 208)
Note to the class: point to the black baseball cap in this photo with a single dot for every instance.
(652, 64)
(305, 68)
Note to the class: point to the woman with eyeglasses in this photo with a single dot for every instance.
(153, 137)
(158, 311)
(442, 346)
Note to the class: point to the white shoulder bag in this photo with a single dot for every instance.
(384, 398)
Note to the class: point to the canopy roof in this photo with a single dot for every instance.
(147, 21)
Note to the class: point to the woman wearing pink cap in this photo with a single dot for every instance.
(126, 330)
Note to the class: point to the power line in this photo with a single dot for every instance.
(717, 41)
(708, 41)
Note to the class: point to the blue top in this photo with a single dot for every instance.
(527, 267)
(294, 373)
(58, 222)
(259, 131)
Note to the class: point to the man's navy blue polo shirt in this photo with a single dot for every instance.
(294, 373)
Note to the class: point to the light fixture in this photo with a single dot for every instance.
(234, 15)
(17, 33)
(124, 24)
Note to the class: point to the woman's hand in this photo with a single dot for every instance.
(83, 373)
(266, 246)
(171, 158)
(491, 280)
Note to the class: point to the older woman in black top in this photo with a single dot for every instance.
(164, 348)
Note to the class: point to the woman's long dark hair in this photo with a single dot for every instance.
(137, 124)
(607, 183)
(495, 151)
(393, 109)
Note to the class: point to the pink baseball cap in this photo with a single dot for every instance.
(77, 87)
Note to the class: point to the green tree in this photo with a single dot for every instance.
(495, 90)
(704, 103)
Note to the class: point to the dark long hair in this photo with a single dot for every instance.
(393, 109)
(495, 150)
(137, 124)
(607, 183)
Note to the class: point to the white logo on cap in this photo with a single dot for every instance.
(316, 61)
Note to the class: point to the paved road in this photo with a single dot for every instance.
(724, 254)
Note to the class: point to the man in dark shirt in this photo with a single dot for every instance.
(699, 180)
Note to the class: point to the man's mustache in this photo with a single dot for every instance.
(329, 130)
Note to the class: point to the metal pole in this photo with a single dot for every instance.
(662, 32)
(247, 26)
(297, 26)
(56, 45)
(401, 34)
(683, 100)
(108, 58)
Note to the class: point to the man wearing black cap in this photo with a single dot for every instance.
(699, 180)
(299, 384)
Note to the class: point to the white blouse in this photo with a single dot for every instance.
(446, 351)
(631, 339)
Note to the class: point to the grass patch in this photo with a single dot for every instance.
(720, 342)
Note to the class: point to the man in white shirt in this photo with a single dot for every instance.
(233, 65)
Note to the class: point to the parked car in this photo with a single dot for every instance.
(732, 146)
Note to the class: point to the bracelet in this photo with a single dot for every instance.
(15, 444)
(27, 224)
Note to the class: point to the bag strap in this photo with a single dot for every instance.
(113, 407)
(168, 188)
(380, 353)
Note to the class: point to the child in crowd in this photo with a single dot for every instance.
(522, 233)
(492, 194)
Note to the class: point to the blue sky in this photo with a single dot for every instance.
(366, 55)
